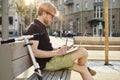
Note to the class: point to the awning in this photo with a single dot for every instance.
(96, 20)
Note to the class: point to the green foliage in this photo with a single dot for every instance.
(21, 8)
(24, 10)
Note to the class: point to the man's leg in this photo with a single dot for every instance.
(81, 55)
(83, 71)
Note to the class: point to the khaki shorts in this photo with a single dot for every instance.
(57, 63)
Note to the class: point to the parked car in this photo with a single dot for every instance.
(55, 33)
(70, 34)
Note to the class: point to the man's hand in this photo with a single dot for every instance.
(69, 47)
(61, 51)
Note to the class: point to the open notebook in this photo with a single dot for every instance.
(72, 49)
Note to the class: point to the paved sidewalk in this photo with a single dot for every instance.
(93, 54)
(96, 62)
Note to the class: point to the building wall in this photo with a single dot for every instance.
(13, 19)
(85, 13)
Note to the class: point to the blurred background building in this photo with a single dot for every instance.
(76, 17)
(80, 15)
(13, 19)
(20, 14)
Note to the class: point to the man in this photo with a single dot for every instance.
(100, 27)
(51, 59)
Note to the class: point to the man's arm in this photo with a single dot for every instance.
(46, 54)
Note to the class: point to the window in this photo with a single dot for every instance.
(98, 11)
(77, 7)
(98, 0)
(65, 0)
(10, 20)
(86, 5)
(113, 17)
(70, 9)
(86, 18)
(113, 22)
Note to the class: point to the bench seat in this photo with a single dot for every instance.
(46, 75)
(57, 75)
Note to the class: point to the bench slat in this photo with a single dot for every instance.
(6, 70)
(18, 50)
(66, 75)
(57, 75)
(50, 76)
(21, 65)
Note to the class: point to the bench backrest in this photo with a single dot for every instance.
(96, 40)
(14, 59)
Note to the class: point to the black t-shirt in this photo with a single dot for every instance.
(43, 38)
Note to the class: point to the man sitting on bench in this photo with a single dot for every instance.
(51, 59)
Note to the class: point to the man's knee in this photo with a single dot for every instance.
(83, 51)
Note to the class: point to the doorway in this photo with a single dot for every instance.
(95, 31)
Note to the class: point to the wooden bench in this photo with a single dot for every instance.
(96, 40)
(97, 43)
(101, 47)
(16, 64)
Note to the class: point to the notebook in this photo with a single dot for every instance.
(72, 49)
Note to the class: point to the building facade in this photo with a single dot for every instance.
(79, 16)
(12, 19)
(76, 16)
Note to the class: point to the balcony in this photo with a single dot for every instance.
(98, 3)
(69, 2)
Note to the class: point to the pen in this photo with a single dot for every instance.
(66, 41)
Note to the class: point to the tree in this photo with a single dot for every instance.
(22, 11)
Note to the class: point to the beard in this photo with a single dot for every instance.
(47, 23)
